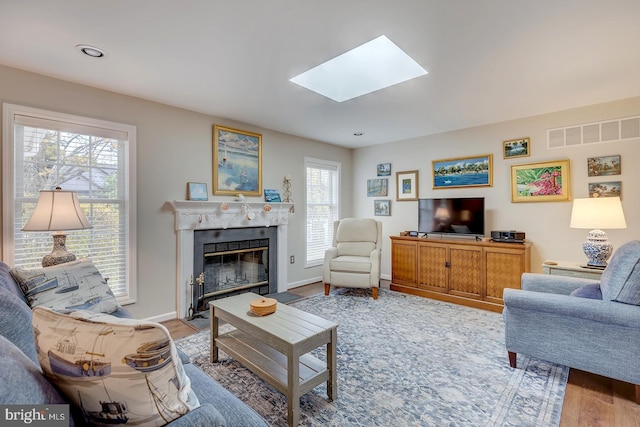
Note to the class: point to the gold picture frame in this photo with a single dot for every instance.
(237, 161)
(541, 182)
(514, 148)
(461, 172)
(407, 186)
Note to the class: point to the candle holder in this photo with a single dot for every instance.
(286, 192)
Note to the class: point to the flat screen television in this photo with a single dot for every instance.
(453, 215)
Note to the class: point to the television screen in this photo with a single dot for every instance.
(463, 216)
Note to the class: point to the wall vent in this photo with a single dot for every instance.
(591, 133)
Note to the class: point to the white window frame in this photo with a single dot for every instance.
(10, 112)
(328, 165)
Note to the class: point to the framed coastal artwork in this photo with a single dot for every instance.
(516, 148)
(605, 189)
(383, 169)
(604, 166)
(475, 171)
(197, 191)
(237, 161)
(541, 182)
(377, 187)
(382, 207)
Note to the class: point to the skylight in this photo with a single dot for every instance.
(367, 68)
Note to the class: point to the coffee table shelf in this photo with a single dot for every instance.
(276, 347)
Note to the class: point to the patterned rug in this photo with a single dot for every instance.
(406, 361)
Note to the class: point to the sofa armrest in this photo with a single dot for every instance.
(609, 312)
(375, 259)
(547, 283)
(204, 415)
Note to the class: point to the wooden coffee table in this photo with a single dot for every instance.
(275, 347)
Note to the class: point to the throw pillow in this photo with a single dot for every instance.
(113, 369)
(592, 291)
(620, 281)
(75, 285)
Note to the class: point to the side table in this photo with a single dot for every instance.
(572, 269)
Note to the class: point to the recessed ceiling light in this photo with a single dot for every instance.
(367, 68)
(91, 51)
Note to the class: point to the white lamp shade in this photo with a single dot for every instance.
(57, 210)
(597, 212)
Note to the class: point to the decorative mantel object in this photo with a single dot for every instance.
(286, 192)
(597, 213)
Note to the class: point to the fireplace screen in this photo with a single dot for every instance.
(235, 265)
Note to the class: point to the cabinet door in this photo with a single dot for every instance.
(465, 276)
(433, 272)
(504, 270)
(404, 262)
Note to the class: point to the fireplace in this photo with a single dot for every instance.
(231, 261)
(221, 216)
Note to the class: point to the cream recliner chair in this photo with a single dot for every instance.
(354, 259)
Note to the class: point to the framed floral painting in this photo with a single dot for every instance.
(541, 182)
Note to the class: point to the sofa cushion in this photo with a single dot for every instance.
(7, 281)
(592, 290)
(620, 281)
(96, 359)
(22, 381)
(75, 285)
(15, 323)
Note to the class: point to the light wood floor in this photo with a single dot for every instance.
(590, 400)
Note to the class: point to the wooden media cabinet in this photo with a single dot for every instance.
(472, 273)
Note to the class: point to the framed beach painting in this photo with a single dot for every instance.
(604, 166)
(237, 161)
(541, 182)
(197, 191)
(377, 187)
(382, 207)
(516, 148)
(383, 169)
(475, 171)
(407, 185)
(605, 189)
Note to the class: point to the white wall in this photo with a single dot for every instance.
(174, 147)
(545, 224)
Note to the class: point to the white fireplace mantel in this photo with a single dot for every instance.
(208, 215)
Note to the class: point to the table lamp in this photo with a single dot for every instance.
(597, 213)
(55, 211)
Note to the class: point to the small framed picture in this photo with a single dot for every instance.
(382, 207)
(377, 187)
(604, 166)
(605, 189)
(383, 169)
(272, 196)
(197, 191)
(407, 186)
(516, 148)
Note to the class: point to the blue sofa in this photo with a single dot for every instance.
(23, 381)
(584, 324)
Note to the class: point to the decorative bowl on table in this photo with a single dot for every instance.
(263, 306)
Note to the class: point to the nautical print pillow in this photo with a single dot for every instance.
(114, 370)
(76, 285)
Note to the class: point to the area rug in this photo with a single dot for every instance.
(406, 361)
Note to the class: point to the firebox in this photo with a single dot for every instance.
(231, 261)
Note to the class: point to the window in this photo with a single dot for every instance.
(323, 207)
(43, 150)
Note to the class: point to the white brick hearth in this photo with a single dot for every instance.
(195, 215)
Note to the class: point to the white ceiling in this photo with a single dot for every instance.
(488, 60)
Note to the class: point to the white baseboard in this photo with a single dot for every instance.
(162, 317)
(304, 282)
